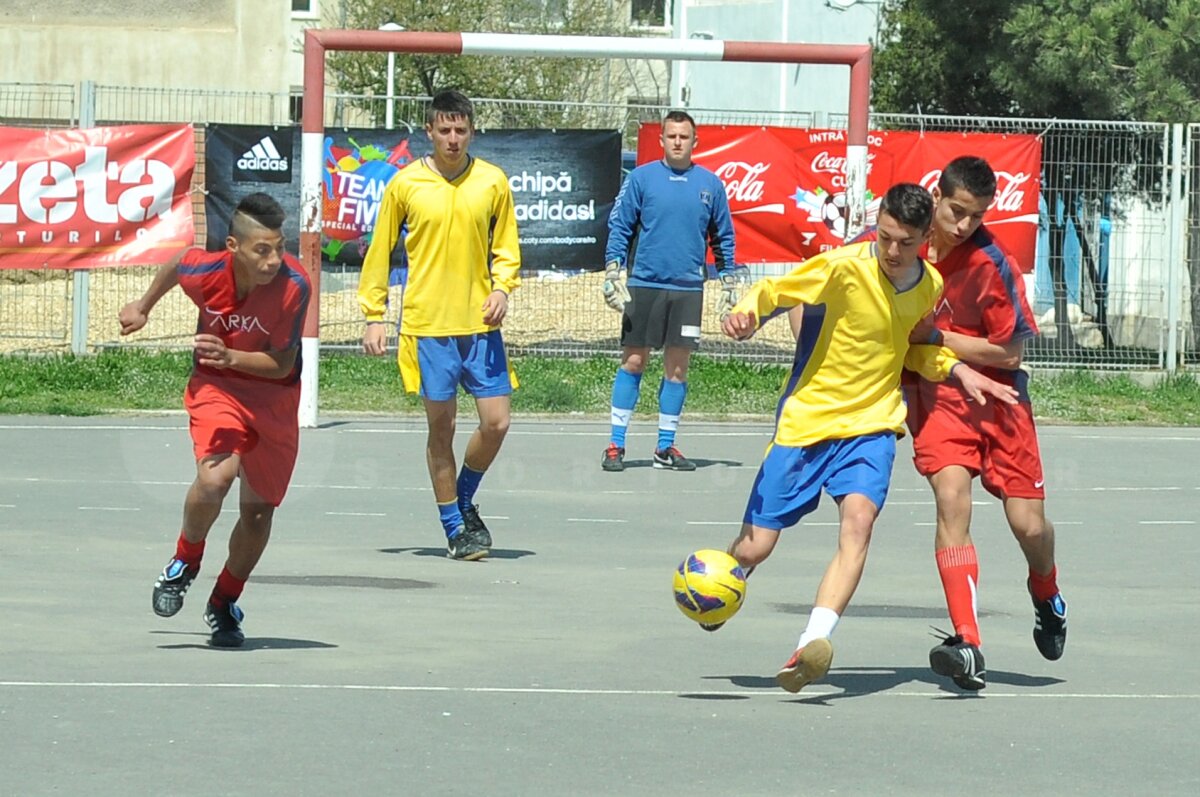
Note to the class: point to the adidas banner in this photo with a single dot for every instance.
(564, 183)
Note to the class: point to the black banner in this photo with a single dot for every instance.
(563, 183)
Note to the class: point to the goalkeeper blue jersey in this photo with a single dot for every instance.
(663, 222)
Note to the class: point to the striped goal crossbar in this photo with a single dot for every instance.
(317, 42)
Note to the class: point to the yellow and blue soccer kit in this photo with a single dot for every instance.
(841, 408)
(462, 244)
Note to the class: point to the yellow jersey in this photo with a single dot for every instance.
(461, 243)
(845, 379)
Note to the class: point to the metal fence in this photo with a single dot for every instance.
(1114, 283)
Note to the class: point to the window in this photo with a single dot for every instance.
(305, 9)
(648, 13)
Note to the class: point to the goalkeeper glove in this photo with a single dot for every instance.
(615, 292)
(729, 295)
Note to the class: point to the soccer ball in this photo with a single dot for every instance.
(709, 586)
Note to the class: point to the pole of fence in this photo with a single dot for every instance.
(1175, 262)
(81, 278)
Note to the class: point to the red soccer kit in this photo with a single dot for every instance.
(232, 412)
(984, 297)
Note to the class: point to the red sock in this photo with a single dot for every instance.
(959, 570)
(190, 553)
(228, 589)
(1043, 588)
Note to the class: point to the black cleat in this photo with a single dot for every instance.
(614, 459)
(671, 459)
(474, 524)
(960, 661)
(1050, 626)
(226, 625)
(465, 545)
(171, 586)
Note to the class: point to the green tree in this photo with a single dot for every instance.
(576, 80)
(1070, 59)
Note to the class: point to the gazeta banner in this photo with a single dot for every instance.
(100, 197)
(787, 186)
(563, 183)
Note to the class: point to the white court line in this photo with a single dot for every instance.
(1166, 522)
(932, 692)
(594, 520)
(110, 509)
(8, 506)
(358, 514)
(764, 430)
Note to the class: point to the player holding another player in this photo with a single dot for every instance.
(984, 318)
(242, 399)
(841, 409)
(667, 215)
(463, 262)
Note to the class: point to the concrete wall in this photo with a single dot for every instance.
(206, 44)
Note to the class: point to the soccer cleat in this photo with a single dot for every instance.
(809, 663)
(226, 625)
(671, 459)
(474, 524)
(614, 459)
(171, 586)
(465, 545)
(960, 661)
(1050, 626)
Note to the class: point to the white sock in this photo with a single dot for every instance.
(821, 622)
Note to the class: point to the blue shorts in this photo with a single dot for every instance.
(790, 479)
(435, 367)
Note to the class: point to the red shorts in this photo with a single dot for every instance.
(261, 428)
(997, 442)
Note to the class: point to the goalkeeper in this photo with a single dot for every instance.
(669, 212)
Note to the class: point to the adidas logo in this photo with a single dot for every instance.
(263, 157)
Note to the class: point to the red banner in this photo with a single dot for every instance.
(105, 196)
(787, 186)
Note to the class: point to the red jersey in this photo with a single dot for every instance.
(984, 296)
(269, 318)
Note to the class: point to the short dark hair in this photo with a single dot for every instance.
(680, 116)
(450, 102)
(969, 172)
(909, 204)
(259, 208)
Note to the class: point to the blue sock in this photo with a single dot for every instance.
(670, 407)
(468, 484)
(451, 517)
(624, 398)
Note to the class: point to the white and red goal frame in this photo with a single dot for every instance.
(317, 42)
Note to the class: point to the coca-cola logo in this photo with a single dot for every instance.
(1010, 191)
(741, 179)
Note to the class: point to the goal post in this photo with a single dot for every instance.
(318, 41)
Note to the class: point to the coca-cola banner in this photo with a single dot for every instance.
(787, 186)
(105, 196)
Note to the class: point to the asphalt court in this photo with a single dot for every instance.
(560, 666)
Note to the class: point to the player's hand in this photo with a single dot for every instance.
(616, 295)
(495, 308)
(979, 387)
(375, 339)
(729, 295)
(739, 326)
(131, 318)
(925, 333)
(211, 351)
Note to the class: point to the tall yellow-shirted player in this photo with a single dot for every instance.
(463, 262)
(841, 409)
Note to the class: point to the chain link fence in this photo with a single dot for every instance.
(1098, 285)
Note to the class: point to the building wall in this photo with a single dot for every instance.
(202, 44)
(805, 87)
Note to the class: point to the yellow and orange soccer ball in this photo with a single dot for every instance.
(710, 586)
